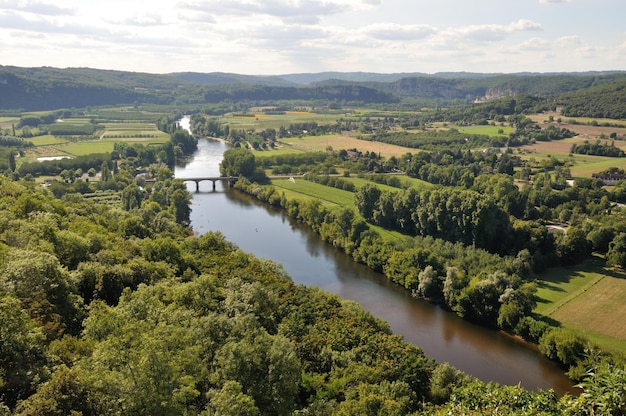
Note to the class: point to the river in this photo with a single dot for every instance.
(268, 233)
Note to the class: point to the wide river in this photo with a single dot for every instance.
(268, 233)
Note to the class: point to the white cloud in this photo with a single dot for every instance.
(535, 44)
(35, 7)
(394, 31)
(554, 1)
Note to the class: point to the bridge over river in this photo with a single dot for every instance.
(230, 179)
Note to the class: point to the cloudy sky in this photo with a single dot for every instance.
(291, 36)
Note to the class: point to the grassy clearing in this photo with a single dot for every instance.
(587, 298)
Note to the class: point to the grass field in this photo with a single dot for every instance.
(589, 298)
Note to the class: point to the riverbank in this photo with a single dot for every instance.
(268, 232)
(347, 246)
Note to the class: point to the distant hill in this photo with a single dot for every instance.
(226, 78)
(47, 88)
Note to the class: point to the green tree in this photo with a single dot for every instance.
(22, 360)
(617, 251)
(238, 162)
(230, 401)
(131, 197)
(12, 164)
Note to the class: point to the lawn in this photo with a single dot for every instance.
(587, 298)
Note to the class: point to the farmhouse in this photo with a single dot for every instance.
(609, 178)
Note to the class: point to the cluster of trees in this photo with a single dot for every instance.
(436, 140)
(454, 215)
(597, 149)
(332, 181)
(55, 167)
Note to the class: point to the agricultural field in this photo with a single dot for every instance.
(580, 165)
(7, 122)
(337, 142)
(46, 140)
(586, 298)
(328, 196)
(135, 132)
(50, 145)
(492, 131)
(262, 121)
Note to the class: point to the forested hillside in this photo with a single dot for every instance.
(51, 88)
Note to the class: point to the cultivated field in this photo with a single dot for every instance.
(588, 298)
(49, 145)
(262, 121)
(580, 165)
(338, 142)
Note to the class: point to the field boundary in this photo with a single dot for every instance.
(562, 302)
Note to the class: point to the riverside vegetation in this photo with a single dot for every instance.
(117, 308)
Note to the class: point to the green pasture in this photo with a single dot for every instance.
(586, 298)
(88, 147)
(488, 130)
(598, 164)
(324, 193)
(46, 140)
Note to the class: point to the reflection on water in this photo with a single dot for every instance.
(267, 232)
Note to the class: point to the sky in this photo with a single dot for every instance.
(267, 37)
